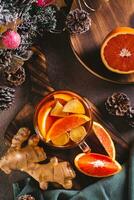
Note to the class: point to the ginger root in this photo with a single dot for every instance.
(54, 171)
(27, 159)
(19, 158)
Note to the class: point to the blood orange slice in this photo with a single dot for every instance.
(44, 119)
(65, 124)
(117, 51)
(96, 165)
(104, 139)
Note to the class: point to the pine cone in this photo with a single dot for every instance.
(118, 104)
(5, 58)
(26, 55)
(130, 116)
(26, 197)
(15, 64)
(78, 21)
(6, 97)
(16, 78)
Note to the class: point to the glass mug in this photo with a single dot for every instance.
(42, 111)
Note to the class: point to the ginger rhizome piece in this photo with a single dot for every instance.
(27, 159)
(19, 158)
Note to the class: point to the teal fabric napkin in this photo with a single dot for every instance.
(117, 187)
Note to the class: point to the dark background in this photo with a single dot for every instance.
(65, 72)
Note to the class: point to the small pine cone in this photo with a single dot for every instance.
(17, 78)
(6, 97)
(78, 21)
(15, 64)
(26, 55)
(5, 58)
(26, 197)
(117, 104)
(130, 116)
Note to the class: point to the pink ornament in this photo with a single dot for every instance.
(44, 3)
(11, 39)
(40, 3)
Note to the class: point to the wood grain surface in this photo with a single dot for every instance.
(108, 15)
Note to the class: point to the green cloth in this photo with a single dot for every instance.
(117, 187)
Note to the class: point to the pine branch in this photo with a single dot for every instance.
(33, 22)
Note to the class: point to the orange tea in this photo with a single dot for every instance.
(63, 119)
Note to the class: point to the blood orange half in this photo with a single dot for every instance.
(117, 51)
(96, 165)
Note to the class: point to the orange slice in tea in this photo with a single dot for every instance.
(58, 110)
(43, 122)
(65, 97)
(74, 106)
(78, 134)
(105, 139)
(61, 140)
(96, 165)
(66, 124)
(117, 51)
(44, 119)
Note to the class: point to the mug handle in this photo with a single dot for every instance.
(84, 147)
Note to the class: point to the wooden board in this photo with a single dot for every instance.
(40, 86)
(108, 15)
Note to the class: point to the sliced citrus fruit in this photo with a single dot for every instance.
(117, 51)
(65, 97)
(58, 110)
(43, 125)
(61, 140)
(74, 106)
(105, 139)
(96, 165)
(65, 124)
(44, 120)
(77, 134)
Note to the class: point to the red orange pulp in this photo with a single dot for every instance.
(117, 50)
(104, 138)
(96, 165)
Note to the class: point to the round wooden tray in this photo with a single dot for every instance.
(108, 15)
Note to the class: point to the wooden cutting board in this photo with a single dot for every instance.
(41, 86)
(108, 15)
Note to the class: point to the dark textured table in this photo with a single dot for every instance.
(65, 72)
